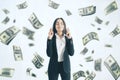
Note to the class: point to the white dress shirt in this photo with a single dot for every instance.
(60, 44)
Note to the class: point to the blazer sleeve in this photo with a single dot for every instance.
(70, 47)
(49, 47)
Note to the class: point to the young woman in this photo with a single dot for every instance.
(59, 47)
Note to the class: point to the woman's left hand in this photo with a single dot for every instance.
(68, 35)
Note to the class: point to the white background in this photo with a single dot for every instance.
(78, 25)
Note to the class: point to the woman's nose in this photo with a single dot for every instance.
(60, 25)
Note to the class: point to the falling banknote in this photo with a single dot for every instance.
(112, 65)
(116, 31)
(89, 59)
(97, 64)
(34, 21)
(68, 12)
(22, 5)
(98, 20)
(31, 44)
(108, 45)
(90, 36)
(87, 10)
(110, 8)
(6, 11)
(29, 73)
(78, 74)
(53, 4)
(91, 76)
(9, 34)
(107, 22)
(37, 61)
(84, 51)
(28, 70)
(6, 20)
(17, 53)
(7, 72)
(92, 24)
(28, 33)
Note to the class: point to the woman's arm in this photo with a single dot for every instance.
(70, 46)
(49, 48)
(49, 43)
(69, 40)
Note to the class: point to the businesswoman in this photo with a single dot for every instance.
(59, 47)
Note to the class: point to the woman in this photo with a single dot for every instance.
(59, 47)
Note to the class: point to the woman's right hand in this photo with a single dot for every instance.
(50, 34)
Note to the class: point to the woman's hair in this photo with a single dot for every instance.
(54, 24)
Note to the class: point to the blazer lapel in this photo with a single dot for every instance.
(55, 47)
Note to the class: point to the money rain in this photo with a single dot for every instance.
(109, 62)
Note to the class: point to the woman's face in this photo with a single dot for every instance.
(59, 25)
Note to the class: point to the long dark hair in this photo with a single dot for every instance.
(54, 24)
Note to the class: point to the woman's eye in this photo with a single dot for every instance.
(61, 23)
(56, 23)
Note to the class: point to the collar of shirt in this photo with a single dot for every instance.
(57, 36)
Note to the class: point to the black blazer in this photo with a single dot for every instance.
(52, 53)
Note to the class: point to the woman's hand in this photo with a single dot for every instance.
(68, 35)
(50, 34)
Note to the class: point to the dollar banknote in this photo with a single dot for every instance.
(80, 65)
(28, 70)
(108, 45)
(22, 5)
(98, 20)
(98, 28)
(90, 36)
(97, 64)
(113, 67)
(53, 4)
(91, 76)
(31, 44)
(5, 11)
(33, 75)
(89, 59)
(92, 51)
(37, 61)
(92, 24)
(87, 10)
(110, 8)
(115, 32)
(7, 72)
(28, 33)
(78, 74)
(68, 12)
(84, 51)
(34, 21)
(107, 22)
(17, 53)
(6, 20)
(14, 20)
(9, 34)
(87, 72)
(29, 73)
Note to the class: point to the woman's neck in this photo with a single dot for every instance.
(60, 34)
